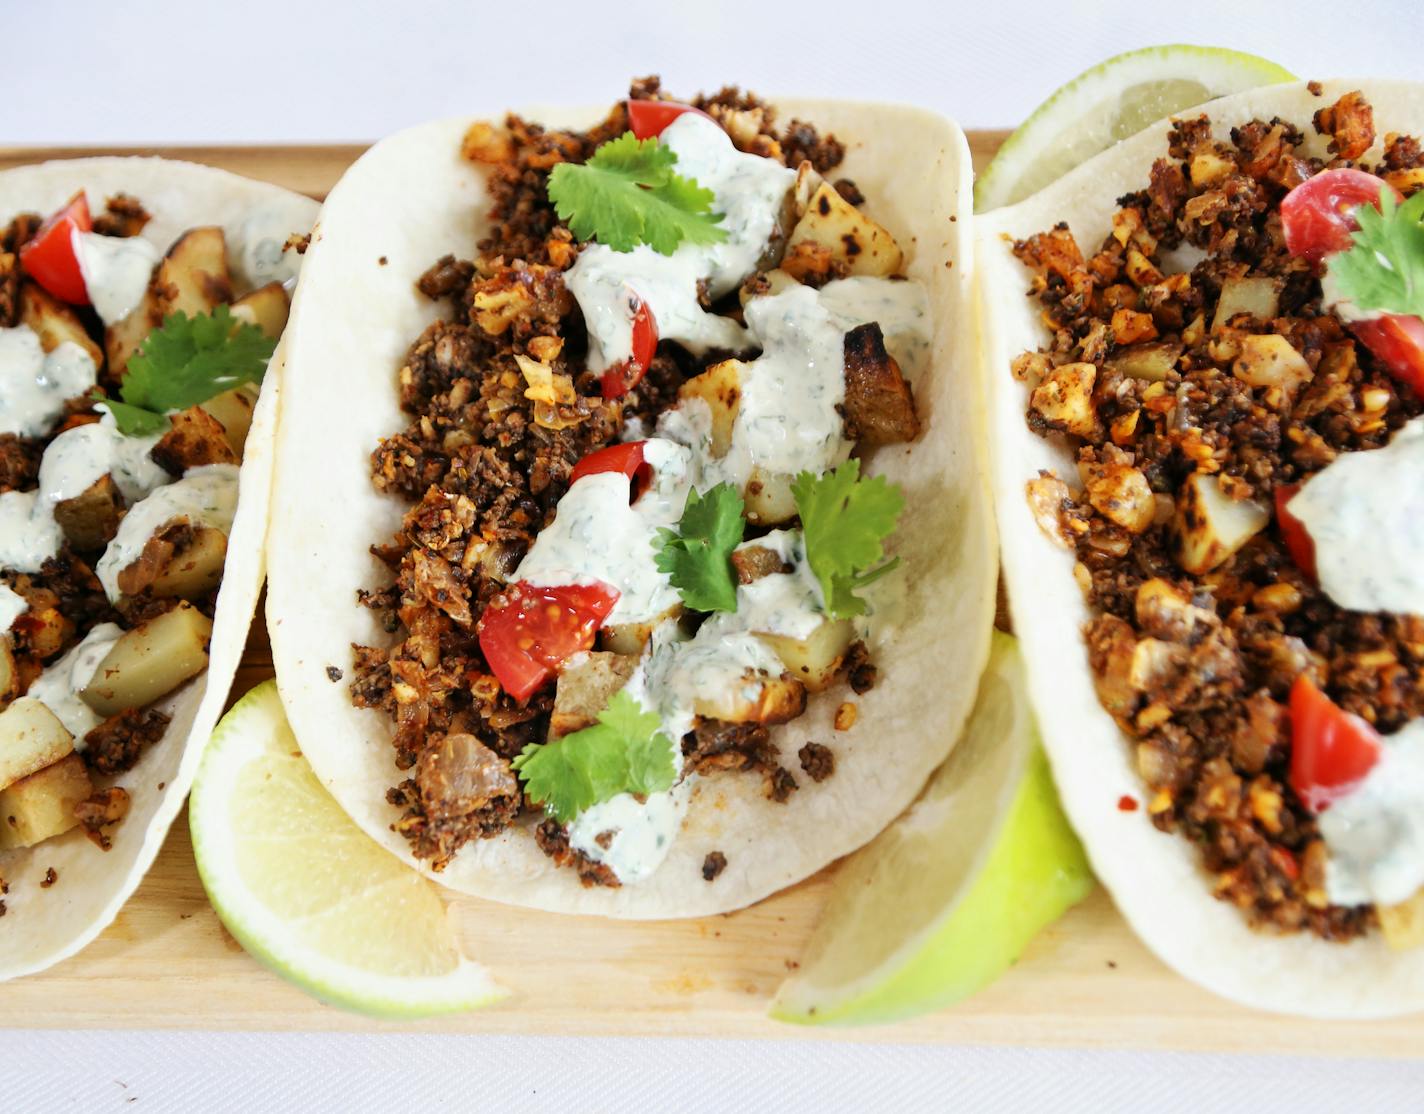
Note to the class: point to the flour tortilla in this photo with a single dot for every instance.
(44, 926)
(1155, 879)
(412, 199)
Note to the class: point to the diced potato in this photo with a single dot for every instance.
(1165, 611)
(1211, 526)
(768, 285)
(630, 638)
(1207, 167)
(752, 562)
(585, 688)
(233, 410)
(42, 805)
(192, 277)
(196, 570)
(31, 738)
(814, 660)
(150, 661)
(754, 700)
(720, 387)
(848, 235)
(1403, 925)
(91, 519)
(266, 307)
(1152, 361)
(9, 674)
(768, 497)
(46, 630)
(1258, 296)
(54, 322)
(1120, 493)
(879, 406)
(1271, 361)
(1065, 399)
(195, 439)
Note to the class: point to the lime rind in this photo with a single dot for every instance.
(1075, 123)
(241, 738)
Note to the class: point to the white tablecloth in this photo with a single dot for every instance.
(284, 70)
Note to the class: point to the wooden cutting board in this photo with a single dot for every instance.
(168, 963)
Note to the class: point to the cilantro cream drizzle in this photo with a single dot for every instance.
(12, 606)
(59, 686)
(116, 270)
(35, 385)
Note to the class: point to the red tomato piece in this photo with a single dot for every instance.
(1397, 340)
(1318, 215)
(649, 118)
(1299, 544)
(50, 259)
(626, 458)
(618, 380)
(530, 631)
(1331, 749)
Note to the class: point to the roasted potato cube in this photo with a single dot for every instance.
(1120, 493)
(1257, 296)
(233, 410)
(768, 498)
(1064, 400)
(1206, 168)
(720, 387)
(1211, 526)
(879, 406)
(1403, 924)
(630, 638)
(266, 307)
(752, 562)
(853, 240)
(814, 660)
(91, 519)
(41, 806)
(31, 738)
(9, 674)
(192, 277)
(1152, 361)
(197, 438)
(1271, 361)
(43, 630)
(585, 688)
(1165, 611)
(757, 699)
(194, 571)
(54, 322)
(150, 661)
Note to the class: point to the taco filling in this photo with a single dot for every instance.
(640, 533)
(127, 384)
(1239, 368)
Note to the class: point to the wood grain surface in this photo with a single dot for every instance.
(1087, 982)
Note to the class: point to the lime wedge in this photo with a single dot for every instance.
(1113, 100)
(307, 892)
(944, 900)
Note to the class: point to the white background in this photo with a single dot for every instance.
(144, 71)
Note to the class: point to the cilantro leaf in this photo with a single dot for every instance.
(627, 194)
(624, 752)
(844, 519)
(186, 361)
(696, 556)
(1384, 268)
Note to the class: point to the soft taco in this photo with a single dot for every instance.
(140, 302)
(1206, 367)
(571, 563)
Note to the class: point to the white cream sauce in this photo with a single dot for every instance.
(1375, 833)
(639, 833)
(79, 456)
(117, 271)
(59, 686)
(35, 385)
(784, 603)
(901, 308)
(29, 535)
(12, 606)
(257, 247)
(205, 496)
(1365, 513)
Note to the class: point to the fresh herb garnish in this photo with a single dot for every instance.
(186, 361)
(844, 519)
(696, 555)
(627, 194)
(624, 752)
(1384, 268)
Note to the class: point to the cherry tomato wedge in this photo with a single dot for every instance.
(49, 258)
(1299, 544)
(1397, 340)
(618, 380)
(1318, 215)
(530, 631)
(649, 118)
(1331, 749)
(626, 458)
